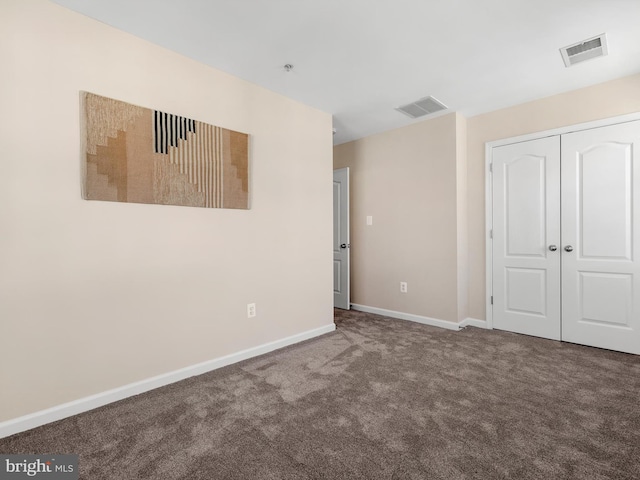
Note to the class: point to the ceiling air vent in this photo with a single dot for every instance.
(422, 107)
(585, 50)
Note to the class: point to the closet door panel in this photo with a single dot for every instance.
(526, 222)
(600, 237)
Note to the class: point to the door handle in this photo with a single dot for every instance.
(568, 248)
(553, 248)
(344, 245)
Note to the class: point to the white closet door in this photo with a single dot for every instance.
(526, 233)
(601, 237)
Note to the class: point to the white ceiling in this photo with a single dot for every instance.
(359, 59)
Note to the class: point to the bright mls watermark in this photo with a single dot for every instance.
(51, 467)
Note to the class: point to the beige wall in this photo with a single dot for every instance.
(405, 179)
(95, 295)
(605, 100)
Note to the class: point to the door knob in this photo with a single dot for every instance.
(344, 245)
(568, 248)
(553, 248)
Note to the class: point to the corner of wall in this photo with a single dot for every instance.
(462, 217)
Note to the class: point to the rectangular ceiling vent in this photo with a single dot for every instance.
(422, 107)
(585, 50)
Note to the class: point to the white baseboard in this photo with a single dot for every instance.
(473, 322)
(27, 422)
(434, 322)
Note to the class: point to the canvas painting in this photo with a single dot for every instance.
(138, 155)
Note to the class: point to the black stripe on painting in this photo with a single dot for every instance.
(159, 124)
(171, 129)
(164, 133)
(160, 134)
(155, 130)
(161, 120)
(165, 136)
(159, 130)
(174, 130)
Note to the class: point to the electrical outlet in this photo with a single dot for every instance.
(403, 287)
(251, 310)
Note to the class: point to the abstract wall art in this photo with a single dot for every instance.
(138, 155)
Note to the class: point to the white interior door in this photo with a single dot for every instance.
(341, 246)
(601, 237)
(526, 237)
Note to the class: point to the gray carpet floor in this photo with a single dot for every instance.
(377, 399)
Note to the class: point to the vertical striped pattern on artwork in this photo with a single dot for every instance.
(169, 129)
(197, 149)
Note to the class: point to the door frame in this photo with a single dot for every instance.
(345, 212)
(488, 188)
